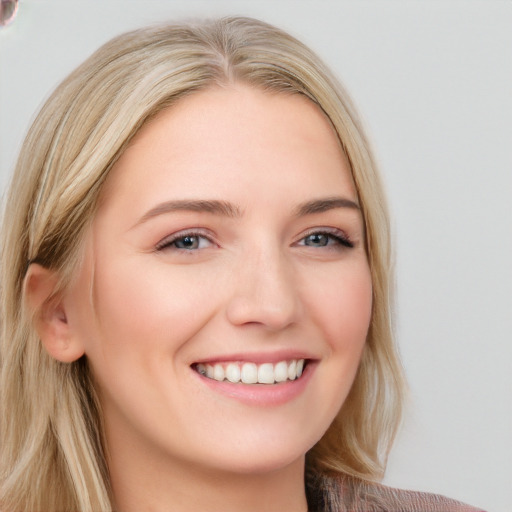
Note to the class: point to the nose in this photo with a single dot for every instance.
(265, 292)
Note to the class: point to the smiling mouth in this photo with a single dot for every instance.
(252, 373)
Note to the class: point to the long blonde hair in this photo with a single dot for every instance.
(52, 455)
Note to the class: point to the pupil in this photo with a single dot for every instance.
(317, 239)
(187, 242)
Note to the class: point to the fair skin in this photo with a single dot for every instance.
(228, 234)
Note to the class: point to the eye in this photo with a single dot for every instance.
(189, 241)
(324, 238)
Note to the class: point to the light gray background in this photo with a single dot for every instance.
(433, 81)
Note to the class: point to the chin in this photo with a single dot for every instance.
(264, 464)
(261, 457)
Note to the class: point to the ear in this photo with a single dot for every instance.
(49, 314)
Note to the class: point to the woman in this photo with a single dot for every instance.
(196, 287)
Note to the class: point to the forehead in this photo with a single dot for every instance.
(239, 135)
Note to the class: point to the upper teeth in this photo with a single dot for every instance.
(252, 373)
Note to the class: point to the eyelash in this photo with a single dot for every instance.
(172, 239)
(339, 238)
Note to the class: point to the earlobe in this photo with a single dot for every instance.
(46, 306)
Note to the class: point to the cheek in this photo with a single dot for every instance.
(343, 307)
(154, 306)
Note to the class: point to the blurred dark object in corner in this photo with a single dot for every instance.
(8, 9)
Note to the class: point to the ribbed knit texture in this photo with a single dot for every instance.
(347, 494)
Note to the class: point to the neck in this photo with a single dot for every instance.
(183, 488)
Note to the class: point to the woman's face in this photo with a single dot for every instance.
(228, 245)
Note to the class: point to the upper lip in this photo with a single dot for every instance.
(257, 357)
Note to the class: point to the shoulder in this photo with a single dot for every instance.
(348, 494)
(399, 500)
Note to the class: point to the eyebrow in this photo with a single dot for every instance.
(215, 207)
(323, 205)
(226, 209)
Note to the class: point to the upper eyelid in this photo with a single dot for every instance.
(325, 230)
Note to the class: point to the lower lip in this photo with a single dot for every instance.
(261, 394)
